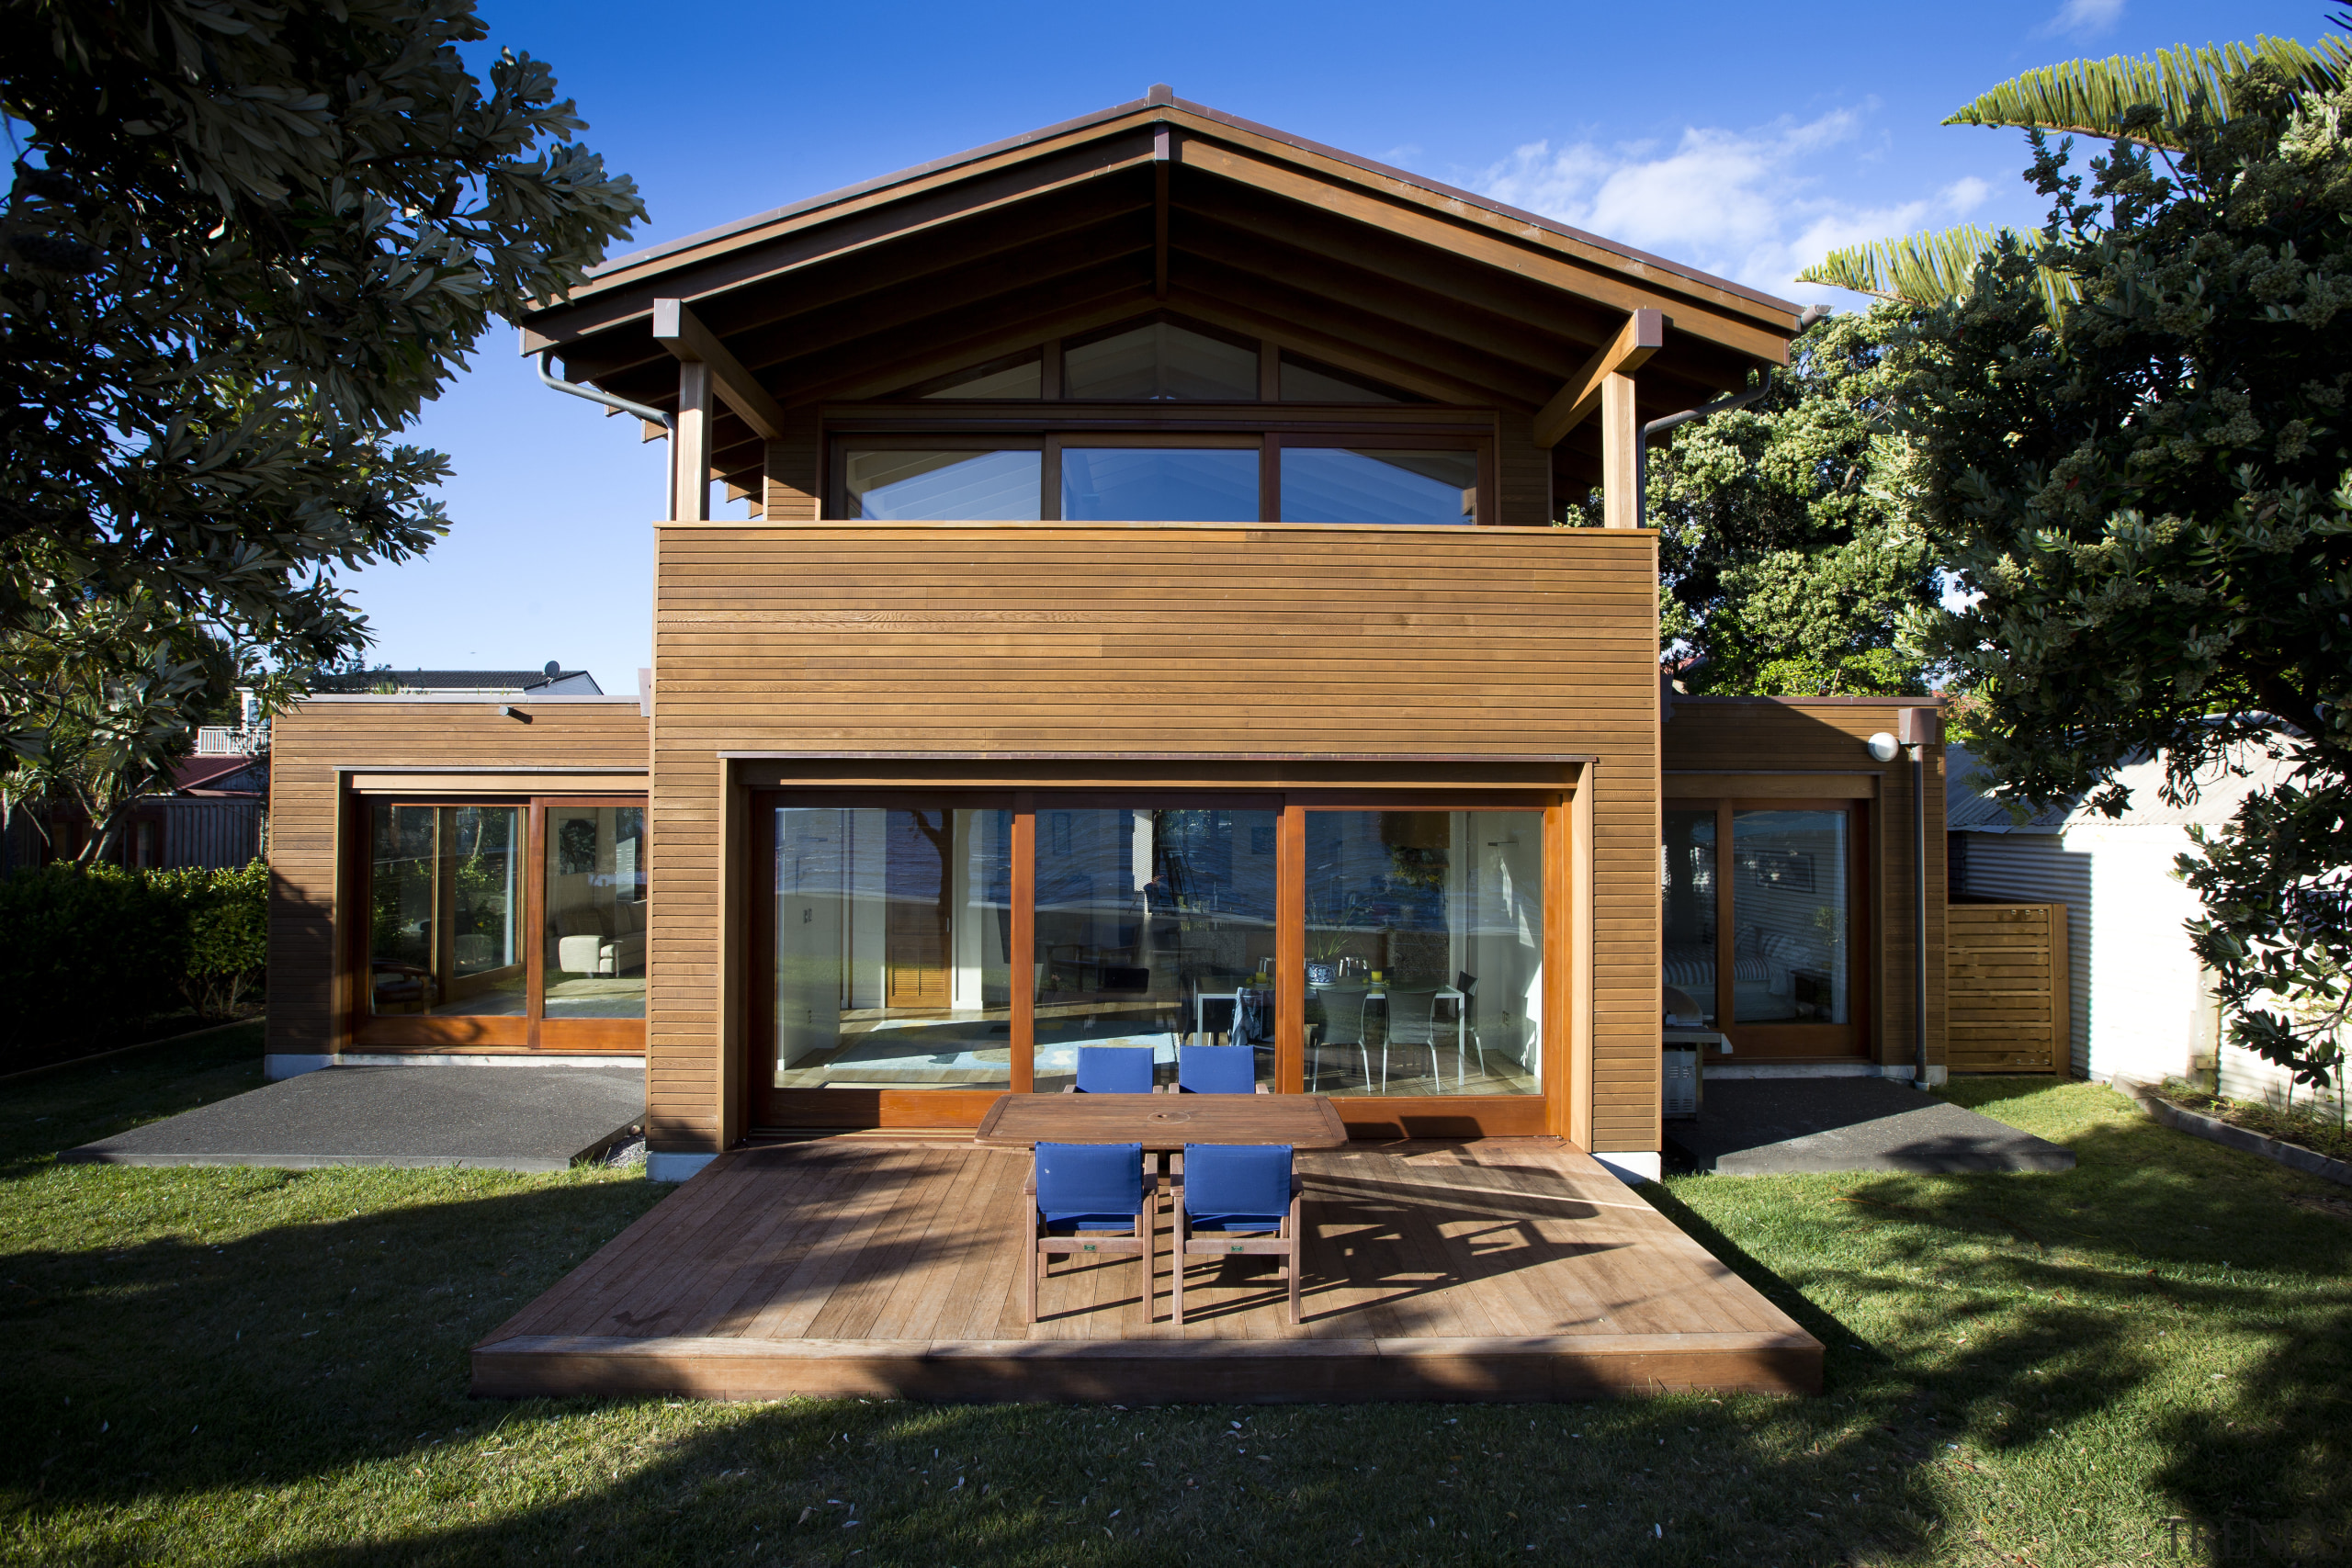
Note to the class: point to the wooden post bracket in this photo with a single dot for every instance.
(679, 329)
(1643, 335)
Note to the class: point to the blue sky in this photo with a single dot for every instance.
(1748, 139)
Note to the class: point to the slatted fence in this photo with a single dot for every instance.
(2006, 968)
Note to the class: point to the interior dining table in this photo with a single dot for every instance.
(1162, 1122)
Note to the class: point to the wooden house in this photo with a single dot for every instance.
(1148, 618)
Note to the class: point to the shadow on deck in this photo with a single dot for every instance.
(1503, 1270)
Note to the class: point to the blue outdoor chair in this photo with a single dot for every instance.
(1238, 1198)
(1112, 1069)
(1216, 1070)
(1088, 1198)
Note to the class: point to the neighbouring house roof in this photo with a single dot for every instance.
(221, 775)
(1971, 804)
(1154, 205)
(486, 683)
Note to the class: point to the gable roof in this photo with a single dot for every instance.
(562, 684)
(1156, 204)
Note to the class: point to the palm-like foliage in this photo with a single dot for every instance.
(1927, 269)
(2153, 101)
(2096, 98)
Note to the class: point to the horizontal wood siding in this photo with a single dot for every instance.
(1768, 738)
(310, 743)
(2007, 969)
(1287, 641)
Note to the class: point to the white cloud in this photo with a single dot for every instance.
(2081, 19)
(1754, 206)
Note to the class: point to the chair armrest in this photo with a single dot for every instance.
(1263, 1090)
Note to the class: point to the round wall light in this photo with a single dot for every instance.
(1883, 747)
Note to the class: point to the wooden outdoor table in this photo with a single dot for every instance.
(1162, 1122)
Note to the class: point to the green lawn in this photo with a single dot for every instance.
(218, 1366)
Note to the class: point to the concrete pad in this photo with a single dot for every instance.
(538, 1119)
(1786, 1127)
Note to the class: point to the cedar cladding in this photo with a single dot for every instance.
(1290, 640)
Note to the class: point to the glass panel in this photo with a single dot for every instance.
(1333, 484)
(1686, 884)
(447, 898)
(1154, 928)
(1424, 952)
(594, 963)
(1307, 382)
(893, 947)
(1006, 382)
(944, 487)
(1159, 484)
(1161, 362)
(1789, 917)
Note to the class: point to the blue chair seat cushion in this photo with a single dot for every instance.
(1090, 1222)
(1234, 1221)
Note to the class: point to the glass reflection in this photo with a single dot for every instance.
(1155, 928)
(1159, 484)
(1161, 362)
(1424, 952)
(893, 948)
(445, 897)
(1790, 919)
(1304, 381)
(1686, 878)
(596, 876)
(1334, 484)
(1008, 382)
(942, 485)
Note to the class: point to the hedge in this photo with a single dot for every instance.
(86, 955)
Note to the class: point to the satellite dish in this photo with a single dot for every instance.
(554, 668)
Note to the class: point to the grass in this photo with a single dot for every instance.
(260, 1367)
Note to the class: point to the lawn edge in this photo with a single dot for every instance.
(2294, 1156)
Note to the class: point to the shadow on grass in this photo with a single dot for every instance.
(79, 1103)
(321, 1362)
(1975, 1092)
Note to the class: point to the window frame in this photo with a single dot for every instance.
(489, 1033)
(771, 1109)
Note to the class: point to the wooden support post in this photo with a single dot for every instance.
(1621, 441)
(690, 453)
(1643, 335)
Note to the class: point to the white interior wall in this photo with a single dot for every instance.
(964, 930)
(869, 882)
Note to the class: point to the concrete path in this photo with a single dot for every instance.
(518, 1118)
(1782, 1126)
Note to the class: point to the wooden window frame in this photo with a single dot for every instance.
(1851, 1040)
(774, 1112)
(1144, 426)
(531, 1034)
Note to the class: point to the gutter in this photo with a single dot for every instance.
(1814, 315)
(651, 415)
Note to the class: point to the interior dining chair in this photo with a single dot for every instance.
(1089, 1199)
(1412, 1026)
(1238, 1199)
(1338, 1033)
(1112, 1070)
(1216, 1070)
(1467, 1011)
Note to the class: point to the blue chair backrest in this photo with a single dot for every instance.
(1238, 1178)
(1215, 1070)
(1089, 1178)
(1114, 1069)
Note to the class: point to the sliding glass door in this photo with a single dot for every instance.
(918, 956)
(1761, 917)
(501, 924)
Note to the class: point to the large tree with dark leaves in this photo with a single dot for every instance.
(2136, 451)
(244, 243)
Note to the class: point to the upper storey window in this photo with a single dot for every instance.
(1008, 380)
(1159, 363)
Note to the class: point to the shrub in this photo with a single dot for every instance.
(86, 953)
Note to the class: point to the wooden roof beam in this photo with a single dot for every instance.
(1643, 335)
(677, 329)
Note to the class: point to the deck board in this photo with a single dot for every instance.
(1513, 1269)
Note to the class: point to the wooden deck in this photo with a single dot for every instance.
(1507, 1269)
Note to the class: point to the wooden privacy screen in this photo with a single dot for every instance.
(2006, 968)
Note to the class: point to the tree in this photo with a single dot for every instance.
(1790, 562)
(2144, 477)
(244, 245)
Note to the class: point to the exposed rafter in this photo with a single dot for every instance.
(1643, 335)
(676, 328)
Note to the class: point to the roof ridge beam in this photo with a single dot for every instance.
(679, 329)
(1643, 335)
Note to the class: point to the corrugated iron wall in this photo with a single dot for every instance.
(2034, 868)
(211, 832)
